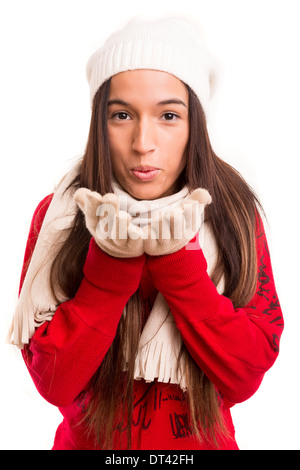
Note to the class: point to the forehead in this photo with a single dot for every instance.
(147, 84)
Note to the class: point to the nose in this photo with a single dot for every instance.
(143, 139)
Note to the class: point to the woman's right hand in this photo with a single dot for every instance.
(111, 227)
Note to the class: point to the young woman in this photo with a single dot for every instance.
(147, 304)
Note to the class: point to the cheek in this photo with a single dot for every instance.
(181, 152)
(176, 148)
(118, 150)
(114, 142)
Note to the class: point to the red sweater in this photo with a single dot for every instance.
(234, 347)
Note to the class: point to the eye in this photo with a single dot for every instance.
(170, 117)
(121, 116)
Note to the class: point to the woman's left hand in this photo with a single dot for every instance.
(171, 230)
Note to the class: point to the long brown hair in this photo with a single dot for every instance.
(232, 217)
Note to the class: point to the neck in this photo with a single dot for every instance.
(142, 210)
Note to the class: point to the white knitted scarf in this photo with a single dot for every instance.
(160, 341)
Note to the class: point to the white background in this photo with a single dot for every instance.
(253, 124)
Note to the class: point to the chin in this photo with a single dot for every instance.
(146, 193)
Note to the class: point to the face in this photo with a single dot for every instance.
(148, 129)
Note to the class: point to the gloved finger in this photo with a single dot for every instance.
(199, 195)
(88, 201)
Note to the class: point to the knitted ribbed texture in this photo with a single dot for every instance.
(160, 341)
(168, 45)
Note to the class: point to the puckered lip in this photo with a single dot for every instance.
(144, 168)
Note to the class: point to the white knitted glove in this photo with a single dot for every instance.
(168, 231)
(112, 228)
(171, 230)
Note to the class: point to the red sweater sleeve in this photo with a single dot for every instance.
(64, 354)
(233, 346)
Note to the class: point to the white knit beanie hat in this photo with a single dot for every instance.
(169, 45)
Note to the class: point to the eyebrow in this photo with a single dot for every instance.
(160, 103)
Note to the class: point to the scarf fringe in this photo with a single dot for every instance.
(159, 360)
(25, 322)
(160, 342)
(36, 303)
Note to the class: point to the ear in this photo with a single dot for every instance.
(88, 201)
